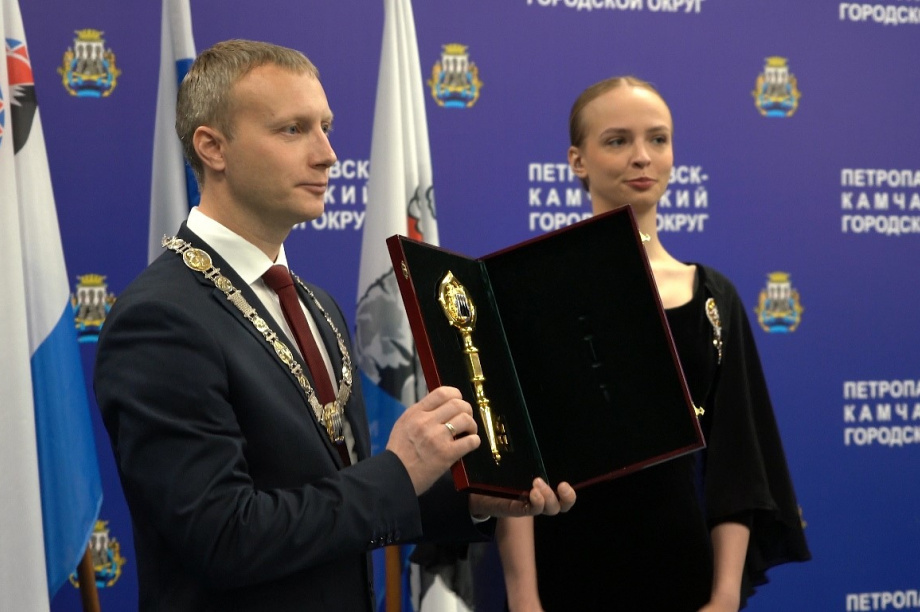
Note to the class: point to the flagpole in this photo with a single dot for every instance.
(86, 575)
(394, 579)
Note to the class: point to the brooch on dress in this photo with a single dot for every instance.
(712, 313)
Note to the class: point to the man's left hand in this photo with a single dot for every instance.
(541, 500)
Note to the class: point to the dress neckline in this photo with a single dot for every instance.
(694, 297)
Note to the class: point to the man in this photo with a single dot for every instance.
(246, 491)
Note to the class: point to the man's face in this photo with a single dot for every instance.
(277, 163)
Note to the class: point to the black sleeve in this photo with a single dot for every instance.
(747, 475)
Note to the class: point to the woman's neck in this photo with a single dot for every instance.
(647, 222)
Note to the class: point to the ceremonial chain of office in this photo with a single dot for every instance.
(332, 415)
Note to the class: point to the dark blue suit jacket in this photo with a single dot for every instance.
(238, 499)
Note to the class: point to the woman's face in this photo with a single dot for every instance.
(626, 153)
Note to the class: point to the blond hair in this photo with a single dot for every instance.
(205, 92)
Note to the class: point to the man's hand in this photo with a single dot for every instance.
(540, 500)
(432, 435)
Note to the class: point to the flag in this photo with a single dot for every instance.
(400, 200)
(173, 188)
(50, 483)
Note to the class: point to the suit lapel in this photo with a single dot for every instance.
(327, 337)
(335, 355)
(331, 343)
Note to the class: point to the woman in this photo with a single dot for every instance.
(697, 532)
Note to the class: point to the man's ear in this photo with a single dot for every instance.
(209, 144)
(576, 163)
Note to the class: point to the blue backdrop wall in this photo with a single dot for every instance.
(797, 171)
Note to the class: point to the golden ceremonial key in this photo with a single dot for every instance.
(460, 311)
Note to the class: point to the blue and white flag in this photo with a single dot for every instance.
(173, 189)
(50, 488)
(400, 201)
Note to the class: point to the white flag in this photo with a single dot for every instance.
(173, 189)
(400, 200)
(50, 488)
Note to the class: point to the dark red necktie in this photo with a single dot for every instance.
(279, 279)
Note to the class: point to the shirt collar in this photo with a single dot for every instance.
(245, 258)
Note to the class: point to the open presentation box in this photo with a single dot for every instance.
(561, 346)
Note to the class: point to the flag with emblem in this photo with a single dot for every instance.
(50, 488)
(173, 188)
(400, 200)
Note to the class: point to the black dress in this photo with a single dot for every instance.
(641, 542)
